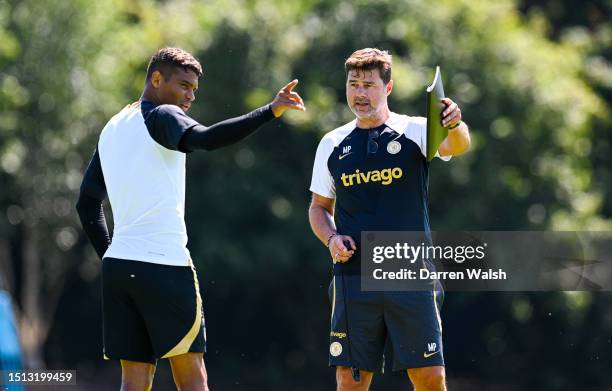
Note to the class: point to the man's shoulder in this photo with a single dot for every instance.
(336, 136)
(166, 118)
(168, 110)
(151, 111)
(120, 118)
(401, 122)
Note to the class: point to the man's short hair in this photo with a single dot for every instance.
(368, 59)
(166, 61)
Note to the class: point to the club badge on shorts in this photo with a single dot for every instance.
(394, 147)
(335, 349)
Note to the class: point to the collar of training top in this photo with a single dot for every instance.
(396, 123)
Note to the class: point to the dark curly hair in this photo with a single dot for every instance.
(368, 59)
(166, 61)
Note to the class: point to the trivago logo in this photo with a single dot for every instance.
(385, 176)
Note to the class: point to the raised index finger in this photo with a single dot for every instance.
(290, 86)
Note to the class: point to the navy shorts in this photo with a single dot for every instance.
(150, 311)
(363, 323)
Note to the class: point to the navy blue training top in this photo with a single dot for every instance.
(383, 187)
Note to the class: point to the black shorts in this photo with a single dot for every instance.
(150, 311)
(363, 324)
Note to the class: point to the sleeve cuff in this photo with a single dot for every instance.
(443, 158)
(325, 194)
(267, 112)
(263, 113)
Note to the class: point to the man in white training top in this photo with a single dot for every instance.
(151, 302)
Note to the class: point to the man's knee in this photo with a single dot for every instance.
(435, 382)
(194, 380)
(135, 385)
(346, 382)
(428, 378)
(189, 371)
(136, 376)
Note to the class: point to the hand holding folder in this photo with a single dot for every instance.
(436, 133)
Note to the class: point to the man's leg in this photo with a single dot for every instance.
(415, 332)
(344, 378)
(189, 372)
(357, 332)
(125, 332)
(136, 376)
(428, 378)
(170, 303)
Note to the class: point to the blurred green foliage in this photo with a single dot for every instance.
(534, 86)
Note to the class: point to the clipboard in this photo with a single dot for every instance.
(436, 133)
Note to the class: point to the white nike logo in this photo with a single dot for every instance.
(343, 156)
(427, 355)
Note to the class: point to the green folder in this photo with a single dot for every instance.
(435, 131)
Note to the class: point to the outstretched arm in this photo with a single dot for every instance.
(235, 129)
(224, 133)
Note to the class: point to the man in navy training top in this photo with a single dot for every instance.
(151, 303)
(371, 175)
